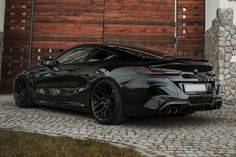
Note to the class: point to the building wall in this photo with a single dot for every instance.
(229, 4)
(213, 5)
(220, 46)
(2, 13)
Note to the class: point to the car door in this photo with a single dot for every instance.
(61, 82)
(69, 80)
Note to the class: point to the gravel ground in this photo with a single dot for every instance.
(210, 133)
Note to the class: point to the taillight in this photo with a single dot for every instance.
(156, 71)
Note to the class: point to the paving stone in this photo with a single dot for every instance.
(209, 133)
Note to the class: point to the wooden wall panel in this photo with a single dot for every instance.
(141, 23)
(61, 24)
(16, 41)
(191, 18)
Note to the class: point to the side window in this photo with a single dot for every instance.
(100, 55)
(76, 55)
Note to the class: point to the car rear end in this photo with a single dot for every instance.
(178, 86)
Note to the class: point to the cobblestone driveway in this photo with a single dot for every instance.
(211, 133)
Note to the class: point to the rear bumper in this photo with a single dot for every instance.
(148, 95)
(170, 106)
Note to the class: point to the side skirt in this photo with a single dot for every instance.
(74, 106)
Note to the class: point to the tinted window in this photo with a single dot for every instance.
(142, 52)
(100, 55)
(76, 55)
(84, 54)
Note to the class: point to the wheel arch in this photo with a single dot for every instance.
(120, 113)
(104, 78)
(28, 100)
(29, 82)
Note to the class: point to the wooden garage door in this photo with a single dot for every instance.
(141, 23)
(152, 23)
(61, 24)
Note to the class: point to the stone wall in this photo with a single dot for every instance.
(219, 49)
(1, 50)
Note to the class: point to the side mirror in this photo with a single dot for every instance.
(48, 62)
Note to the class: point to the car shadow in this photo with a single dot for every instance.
(196, 119)
(65, 111)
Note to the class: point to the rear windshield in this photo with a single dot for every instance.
(142, 52)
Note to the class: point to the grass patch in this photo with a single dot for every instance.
(22, 144)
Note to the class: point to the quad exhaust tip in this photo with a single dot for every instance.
(172, 110)
(218, 105)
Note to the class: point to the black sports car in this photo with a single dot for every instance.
(114, 82)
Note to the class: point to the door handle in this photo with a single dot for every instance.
(72, 69)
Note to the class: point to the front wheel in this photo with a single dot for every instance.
(106, 103)
(22, 93)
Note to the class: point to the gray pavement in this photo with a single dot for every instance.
(203, 134)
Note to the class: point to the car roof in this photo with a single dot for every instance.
(135, 49)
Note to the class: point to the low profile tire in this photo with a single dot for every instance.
(22, 93)
(106, 103)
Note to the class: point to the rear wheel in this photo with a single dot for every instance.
(22, 93)
(106, 103)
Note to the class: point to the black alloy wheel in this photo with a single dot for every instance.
(22, 93)
(106, 103)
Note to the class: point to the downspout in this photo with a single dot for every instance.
(176, 26)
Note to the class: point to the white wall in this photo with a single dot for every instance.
(211, 8)
(2, 13)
